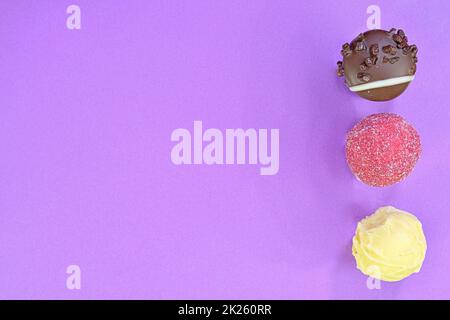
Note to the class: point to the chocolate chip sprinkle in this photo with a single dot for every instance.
(389, 49)
(397, 38)
(374, 50)
(394, 60)
(360, 46)
(402, 44)
(346, 50)
(364, 76)
(390, 60)
(356, 41)
(369, 62)
(340, 71)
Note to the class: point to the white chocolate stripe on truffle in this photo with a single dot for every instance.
(381, 83)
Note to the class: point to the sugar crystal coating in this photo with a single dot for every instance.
(382, 149)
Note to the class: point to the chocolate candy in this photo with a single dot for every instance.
(378, 65)
(382, 149)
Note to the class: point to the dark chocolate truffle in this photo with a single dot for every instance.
(378, 65)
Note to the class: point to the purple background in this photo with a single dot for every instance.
(85, 170)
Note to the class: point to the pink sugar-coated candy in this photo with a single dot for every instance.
(382, 149)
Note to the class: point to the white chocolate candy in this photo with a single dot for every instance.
(389, 245)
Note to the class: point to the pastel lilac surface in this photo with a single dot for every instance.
(86, 177)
